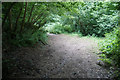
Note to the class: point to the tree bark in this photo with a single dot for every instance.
(23, 21)
(37, 18)
(7, 13)
(31, 12)
(18, 18)
(33, 17)
(41, 20)
(43, 23)
(10, 20)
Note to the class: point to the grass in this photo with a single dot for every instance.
(94, 38)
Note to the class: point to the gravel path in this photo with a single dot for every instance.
(65, 56)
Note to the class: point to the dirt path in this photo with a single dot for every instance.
(64, 57)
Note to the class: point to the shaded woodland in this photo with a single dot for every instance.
(25, 24)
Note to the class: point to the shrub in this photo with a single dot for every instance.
(67, 28)
(111, 48)
(58, 28)
(28, 37)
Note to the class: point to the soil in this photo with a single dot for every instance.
(64, 56)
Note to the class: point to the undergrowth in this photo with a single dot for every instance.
(110, 48)
(28, 37)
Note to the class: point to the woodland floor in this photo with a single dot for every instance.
(65, 56)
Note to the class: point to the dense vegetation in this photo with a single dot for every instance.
(25, 24)
(110, 48)
(87, 18)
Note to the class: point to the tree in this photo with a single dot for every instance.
(31, 12)
(23, 21)
(16, 24)
(7, 12)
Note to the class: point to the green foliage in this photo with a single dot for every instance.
(89, 18)
(105, 59)
(23, 22)
(67, 28)
(111, 48)
(112, 43)
(58, 28)
(29, 37)
(96, 18)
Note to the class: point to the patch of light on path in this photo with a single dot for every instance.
(50, 34)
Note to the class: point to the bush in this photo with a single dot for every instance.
(67, 28)
(58, 28)
(111, 48)
(97, 18)
(91, 18)
(28, 37)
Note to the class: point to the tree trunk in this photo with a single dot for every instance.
(10, 20)
(43, 23)
(7, 13)
(18, 18)
(37, 18)
(42, 20)
(33, 17)
(31, 12)
(23, 21)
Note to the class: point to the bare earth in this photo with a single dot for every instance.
(65, 56)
